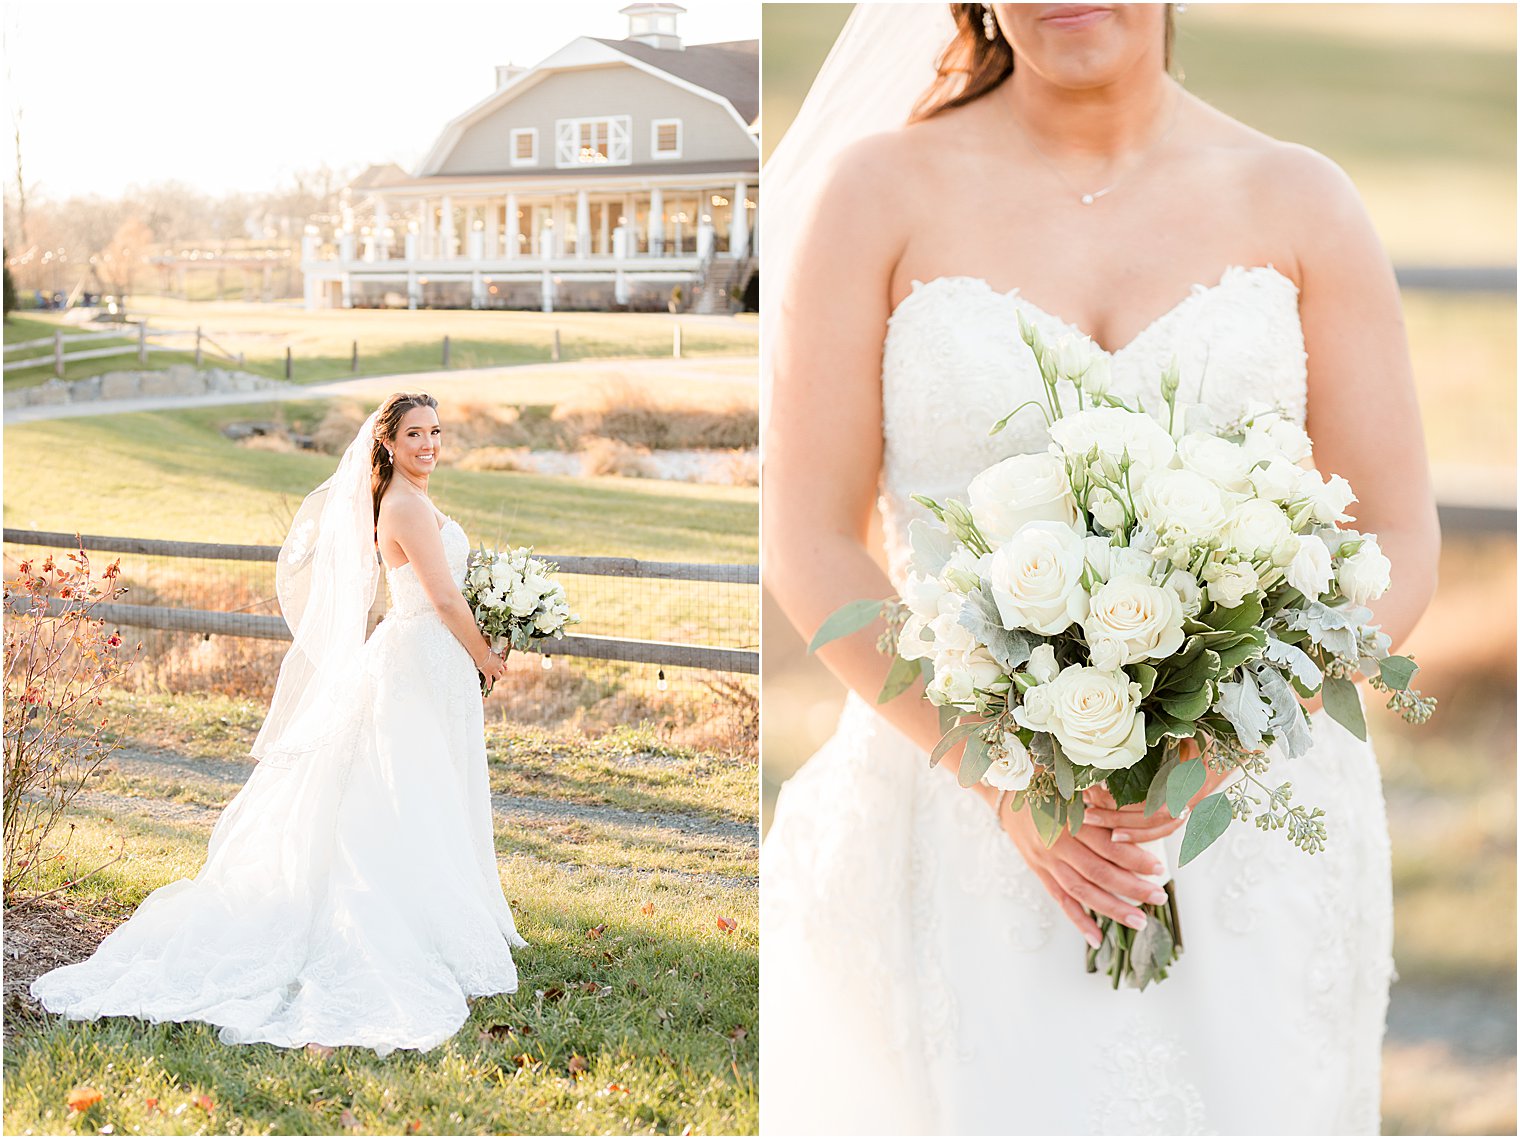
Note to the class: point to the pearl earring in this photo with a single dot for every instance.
(989, 24)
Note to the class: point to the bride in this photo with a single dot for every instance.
(350, 893)
(923, 955)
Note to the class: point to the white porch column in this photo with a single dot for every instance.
(603, 243)
(382, 224)
(705, 233)
(413, 292)
(511, 226)
(477, 290)
(345, 246)
(429, 229)
(447, 227)
(493, 230)
(546, 290)
(738, 226)
(656, 222)
(410, 246)
(582, 224)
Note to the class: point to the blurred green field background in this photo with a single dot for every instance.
(1417, 103)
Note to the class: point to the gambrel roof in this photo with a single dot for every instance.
(730, 69)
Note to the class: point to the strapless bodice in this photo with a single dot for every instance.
(408, 599)
(953, 365)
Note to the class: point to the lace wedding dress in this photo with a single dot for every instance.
(917, 978)
(352, 898)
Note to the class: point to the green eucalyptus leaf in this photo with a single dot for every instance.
(1155, 795)
(1344, 705)
(900, 678)
(1185, 781)
(1049, 817)
(845, 620)
(1204, 825)
(1074, 812)
(953, 736)
(975, 761)
(1066, 778)
(1397, 672)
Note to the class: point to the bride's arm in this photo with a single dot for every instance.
(1363, 414)
(823, 453)
(412, 524)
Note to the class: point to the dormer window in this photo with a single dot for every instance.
(525, 146)
(593, 142)
(665, 138)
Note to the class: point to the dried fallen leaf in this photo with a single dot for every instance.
(496, 1032)
(589, 987)
(738, 1033)
(617, 1088)
(578, 1064)
(552, 993)
(151, 1103)
(204, 1103)
(596, 931)
(320, 1051)
(414, 1126)
(523, 1060)
(346, 1119)
(727, 925)
(647, 908)
(82, 1099)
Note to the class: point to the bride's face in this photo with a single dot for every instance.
(1080, 46)
(419, 439)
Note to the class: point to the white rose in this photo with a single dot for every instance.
(1108, 560)
(1042, 664)
(1105, 655)
(1011, 767)
(1230, 582)
(1256, 526)
(1216, 459)
(1025, 488)
(1185, 586)
(1277, 479)
(1114, 431)
(1330, 497)
(522, 601)
(1094, 714)
(1106, 509)
(1272, 434)
(1143, 619)
(1365, 575)
(922, 593)
(1037, 579)
(957, 676)
(1310, 572)
(1182, 504)
(547, 621)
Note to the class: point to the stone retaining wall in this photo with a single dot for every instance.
(175, 380)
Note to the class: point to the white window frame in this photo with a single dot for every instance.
(567, 141)
(517, 132)
(654, 138)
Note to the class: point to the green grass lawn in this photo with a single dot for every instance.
(648, 1027)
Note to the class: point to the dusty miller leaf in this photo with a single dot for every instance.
(1242, 705)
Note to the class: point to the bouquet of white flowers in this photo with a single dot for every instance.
(1141, 584)
(515, 599)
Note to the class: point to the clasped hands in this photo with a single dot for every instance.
(1101, 868)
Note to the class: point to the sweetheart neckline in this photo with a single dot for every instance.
(1229, 274)
(447, 522)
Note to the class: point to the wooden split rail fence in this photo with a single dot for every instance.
(59, 359)
(661, 653)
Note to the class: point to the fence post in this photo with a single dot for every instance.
(142, 343)
(58, 352)
(675, 348)
(289, 369)
(353, 364)
(445, 351)
(197, 346)
(554, 352)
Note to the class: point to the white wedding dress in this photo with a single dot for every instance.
(352, 898)
(918, 979)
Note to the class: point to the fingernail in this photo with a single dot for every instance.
(1093, 939)
(1121, 836)
(1135, 921)
(1156, 867)
(1156, 897)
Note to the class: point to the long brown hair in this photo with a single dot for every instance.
(387, 423)
(971, 64)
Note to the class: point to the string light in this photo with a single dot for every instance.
(660, 681)
(547, 663)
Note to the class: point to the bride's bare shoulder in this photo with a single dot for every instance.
(1285, 178)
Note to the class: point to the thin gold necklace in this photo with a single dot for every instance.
(1088, 199)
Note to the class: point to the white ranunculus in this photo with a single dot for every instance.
(1277, 479)
(1310, 571)
(1012, 768)
(1105, 655)
(1036, 579)
(1025, 488)
(958, 675)
(1330, 497)
(1256, 526)
(1189, 594)
(1272, 434)
(1114, 431)
(922, 594)
(1217, 459)
(1365, 575)
(1094, 714)
(1230, 582)
(1106, 509)
(1182, 504)
(1143, 619)
(547, 621)
(1042, 664)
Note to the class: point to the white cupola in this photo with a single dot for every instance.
(506, 72)
(654, 24)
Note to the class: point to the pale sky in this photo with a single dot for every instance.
(227, 95)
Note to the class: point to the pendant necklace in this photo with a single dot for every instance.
(1088, 199)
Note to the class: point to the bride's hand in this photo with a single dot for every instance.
(1131, 824)
(1086, 871)
(492, 667)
